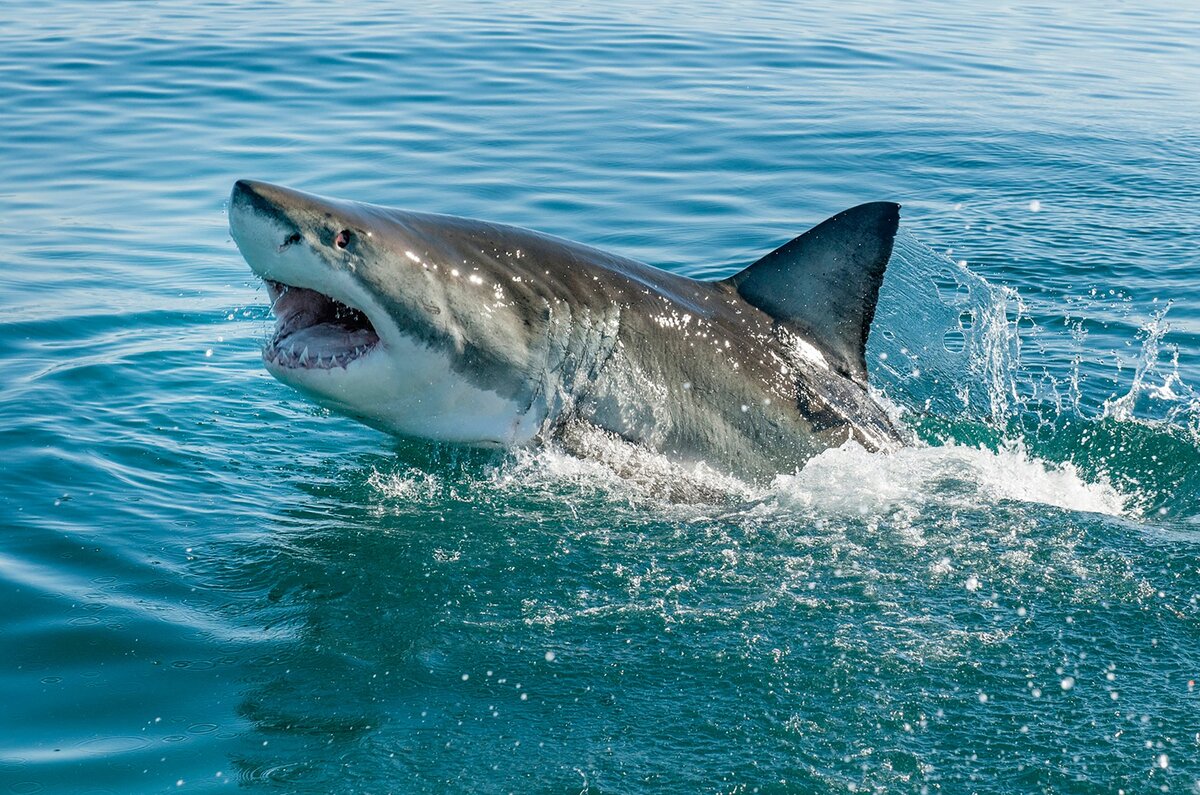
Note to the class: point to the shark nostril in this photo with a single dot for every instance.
(342, 239)
(292, 238)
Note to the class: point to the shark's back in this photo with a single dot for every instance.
(758, 372)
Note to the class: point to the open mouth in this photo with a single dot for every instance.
(314, 331)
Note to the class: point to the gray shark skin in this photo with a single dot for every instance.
(466, 331)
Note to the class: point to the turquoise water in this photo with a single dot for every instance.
(206, 582)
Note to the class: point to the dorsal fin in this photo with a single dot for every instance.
(824, 284)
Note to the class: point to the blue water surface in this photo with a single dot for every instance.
(208, 583)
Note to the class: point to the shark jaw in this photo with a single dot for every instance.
(314, 331)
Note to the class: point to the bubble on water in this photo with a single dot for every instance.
(1035, 206)
(409, 485)
(1068, 682)
(972, 583)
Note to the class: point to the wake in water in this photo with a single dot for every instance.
(846, 482)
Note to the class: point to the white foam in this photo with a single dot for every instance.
(623, 471)
(849, 479)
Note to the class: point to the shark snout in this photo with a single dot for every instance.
(257, 206)
(248, 195)
(259, 224)
(263, 196)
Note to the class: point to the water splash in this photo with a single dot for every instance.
(945, 341)
(1171, 394)
(968, 365)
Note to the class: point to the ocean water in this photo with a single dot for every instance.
(207, 583)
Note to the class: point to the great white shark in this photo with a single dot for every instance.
(466, 331)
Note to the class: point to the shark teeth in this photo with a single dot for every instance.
(296, 357)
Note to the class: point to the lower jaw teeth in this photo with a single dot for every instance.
(290, 357)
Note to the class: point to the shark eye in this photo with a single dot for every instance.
(342, 239)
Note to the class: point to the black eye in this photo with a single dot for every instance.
(342, 239)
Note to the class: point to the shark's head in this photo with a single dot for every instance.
(407, 321)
